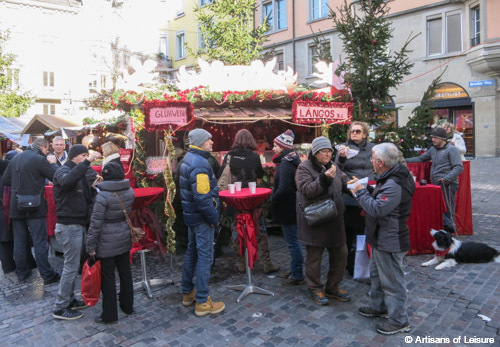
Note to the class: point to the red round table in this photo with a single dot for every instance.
(244, 201)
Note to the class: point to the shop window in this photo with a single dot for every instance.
(180, 49)
(475, 27)
(49, 109)
(444, 34)
(318, 9)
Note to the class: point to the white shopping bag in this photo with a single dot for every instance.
(361, 260)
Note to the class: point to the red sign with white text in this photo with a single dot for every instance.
(317, 112)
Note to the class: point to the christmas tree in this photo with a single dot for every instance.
(371, 69)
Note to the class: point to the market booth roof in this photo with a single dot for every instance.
(40, 123)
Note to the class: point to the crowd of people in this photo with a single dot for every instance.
(91, 222)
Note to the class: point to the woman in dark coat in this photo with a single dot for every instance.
(108, 238)
(319, 178)
(359, 166)
(283, 203)
(246, 167)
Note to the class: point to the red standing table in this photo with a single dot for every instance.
(427, 208)
(244, 202)
(463, 200)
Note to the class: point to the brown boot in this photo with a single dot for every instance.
(240, 260)
(208, 307)
(264, 256)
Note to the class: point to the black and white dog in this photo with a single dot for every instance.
(450, 251)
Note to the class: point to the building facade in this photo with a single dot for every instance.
(458, 37)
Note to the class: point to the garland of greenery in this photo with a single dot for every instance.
(170, 193)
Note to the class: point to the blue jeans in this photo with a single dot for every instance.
(297, 259)
(70, 237)
(449, 191)
(38, 229)
(198, 260)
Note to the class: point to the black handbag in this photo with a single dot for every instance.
(28, 202)
(320, 212)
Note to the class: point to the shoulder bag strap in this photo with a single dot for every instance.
(124, 211)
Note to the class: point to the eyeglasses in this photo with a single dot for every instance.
(356, 131)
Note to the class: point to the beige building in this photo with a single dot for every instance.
(461, 36)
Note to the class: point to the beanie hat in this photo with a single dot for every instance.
(77, 150)
(113, 171)
(439, 133)
(285, 140)
(320, 143)
(197, 137)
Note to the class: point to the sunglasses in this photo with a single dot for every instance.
(356, 131)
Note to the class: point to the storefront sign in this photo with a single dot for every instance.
(485, 83)
(449, 91)
(317, 112)
(160, 115)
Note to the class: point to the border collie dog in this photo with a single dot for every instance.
(450, 251)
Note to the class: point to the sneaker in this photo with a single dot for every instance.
(369, 312)
(391, 329)
(77, 304)
(209, 307)
(54, 279)
(188, 299)
(319, 297)
(67, 314)
(291, 281)
(339, 295)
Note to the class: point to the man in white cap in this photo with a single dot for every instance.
(200, 206)
(446, 167)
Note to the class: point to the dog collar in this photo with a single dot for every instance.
(442, 253)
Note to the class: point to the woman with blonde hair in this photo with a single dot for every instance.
(111, 153)
(359, 166)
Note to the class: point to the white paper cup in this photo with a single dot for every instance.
(414, 178)
(253, 187)
(237, 186)
(231, 188)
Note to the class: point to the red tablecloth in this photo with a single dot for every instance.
(463, 200)
(143, 217)
(427, 208)
(246, 225)
(51, 210)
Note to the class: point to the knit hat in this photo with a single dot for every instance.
(113, 171)
(320, 143)
(285, 140)
(77, 150)
(197, 137)
(439, 133)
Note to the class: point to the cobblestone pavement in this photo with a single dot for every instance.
(442, 304)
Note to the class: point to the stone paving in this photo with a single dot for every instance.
(442, 304)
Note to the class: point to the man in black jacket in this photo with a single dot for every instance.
(73, 196)
(35, 168)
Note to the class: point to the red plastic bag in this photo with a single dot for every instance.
(91, 282)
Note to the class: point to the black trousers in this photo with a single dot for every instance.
(7, 256)
(108, 287)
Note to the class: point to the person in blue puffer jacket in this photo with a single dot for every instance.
(200, 206)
